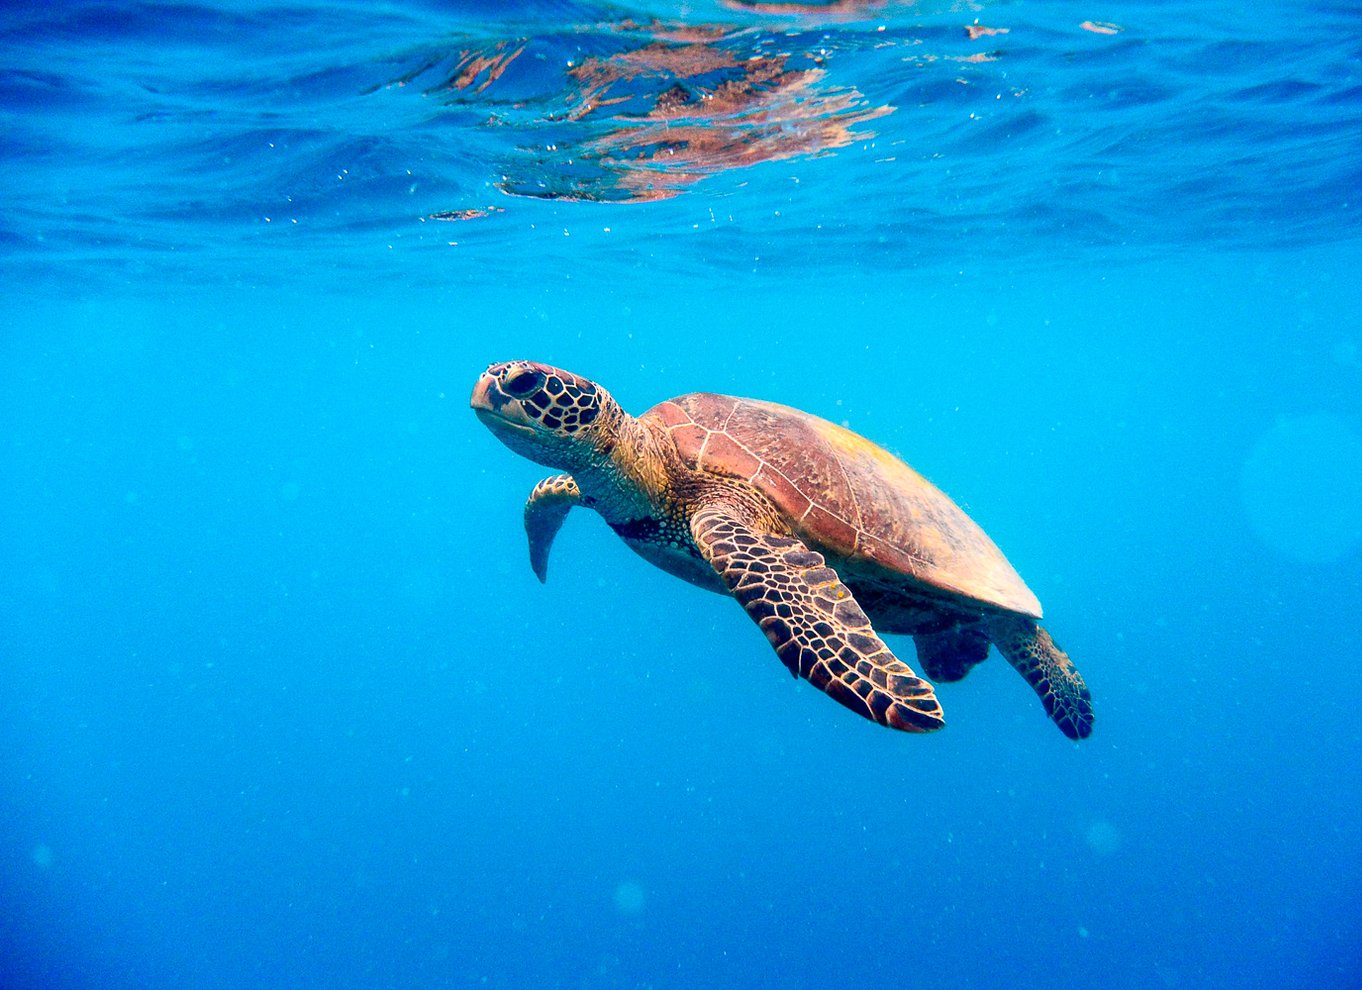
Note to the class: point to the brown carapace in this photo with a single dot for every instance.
(825, 539)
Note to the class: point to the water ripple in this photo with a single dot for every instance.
(870, 134)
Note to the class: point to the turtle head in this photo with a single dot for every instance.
(549, 415)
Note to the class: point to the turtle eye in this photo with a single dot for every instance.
(524, 384)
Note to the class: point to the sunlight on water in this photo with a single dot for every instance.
(1300, 488)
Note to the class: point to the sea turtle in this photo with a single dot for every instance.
(815, 530)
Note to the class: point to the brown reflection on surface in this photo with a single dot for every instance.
(977, 31)
(487, 66)
(769, 115)
(636, 110)
(676, 31)
(686, 103)
(847, 10)
(835, 9)
(480, 66)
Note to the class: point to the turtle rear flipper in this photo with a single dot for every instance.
(1048, 670)
(951, 654)
(816, 627)
(545, 510)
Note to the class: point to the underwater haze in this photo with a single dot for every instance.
(282, 703)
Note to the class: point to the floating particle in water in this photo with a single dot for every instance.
(629, 899)
(42, 856)
(1103, 838)
(1299, 487)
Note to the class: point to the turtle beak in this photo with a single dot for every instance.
(486, 396)
(490, 402)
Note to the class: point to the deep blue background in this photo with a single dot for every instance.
(281, 703)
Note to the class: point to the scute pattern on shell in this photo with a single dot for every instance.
(844, 495)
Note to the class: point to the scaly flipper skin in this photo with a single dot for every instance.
(816, 627)
(1048, 670)
(545, 511)
(949, 655)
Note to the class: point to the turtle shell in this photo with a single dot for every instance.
(844, 495)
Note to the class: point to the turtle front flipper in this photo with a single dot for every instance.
(545, 511)
(816, 627)
(1049, 671)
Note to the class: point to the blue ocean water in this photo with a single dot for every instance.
(281, 702)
